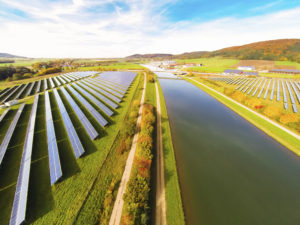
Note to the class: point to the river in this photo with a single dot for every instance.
(231, 173)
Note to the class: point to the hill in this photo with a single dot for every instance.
(147, 56)
(7, 55)
(192, 55)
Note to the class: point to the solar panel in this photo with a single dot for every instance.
(57, 81)
(11, 93)
(54, 161)
(30, 89)
(273, 90)
(7, 91)
(296, 91)
(45, 84)
(99, 89)
(109, 83)
(284, 92)
(245, 85)
(83, 119)
(262, 89)
(20, 200)
(51, 83)
(256, 81)
(3, 90)
(73, 137)
(254, 93)
(9, 133)
(21, 91)
(66, 78)
(97, 94)
(118, 88)
(290, 92)
(246, 89)
(121, 78)
(106, 88)
(38, 88)
(4, 114)
(103, 107)
(267, 90)
(60, 78)
(278, 91)
(89, 107)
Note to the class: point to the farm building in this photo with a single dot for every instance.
(246, 68)
(230, 72)
(286, 71)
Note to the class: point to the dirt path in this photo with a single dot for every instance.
(256, 113)
(160, 209)
(115, 218)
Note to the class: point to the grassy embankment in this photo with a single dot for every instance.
(65, 202)
(278, 134)
(175, 214)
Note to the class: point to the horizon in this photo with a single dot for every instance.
(115, 29)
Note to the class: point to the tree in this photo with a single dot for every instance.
(17, 76)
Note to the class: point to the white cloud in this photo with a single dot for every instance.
(68, 29)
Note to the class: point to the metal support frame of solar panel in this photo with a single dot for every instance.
(112, 91)
(54, 161)
(11, 94)
(9, 133)
(83, 119)
(7, 91)
(4, 114)
(29, 89)
(123, 91)
(57, 81)
(51, 83)
(72, 134)
(273, 90)
(267, 90)
(38, 88)
(21, 91)
(246, 89)
(119, 86)
(99, 118)
(91, 87)
(258, 86)
(295, 109)
(262, 88)
(284, 95)
(98, 88)
(296, 91)
(45, 84)
(20, 200)
(103, 107)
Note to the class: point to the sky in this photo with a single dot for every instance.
(113, 28)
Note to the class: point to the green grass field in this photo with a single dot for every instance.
(23, 62)
(278, 134)
(210, 65)
(175, 214)
(287, 63)
(114, 66)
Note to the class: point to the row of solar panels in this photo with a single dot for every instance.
(24, 90)
(268, 87)
(86, 94)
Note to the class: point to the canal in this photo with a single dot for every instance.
(231, 173)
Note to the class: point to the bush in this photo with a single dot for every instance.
(16, 76)
(253, 103)
(238, 96)
(27, 75)
(272, 111)
(289, 118)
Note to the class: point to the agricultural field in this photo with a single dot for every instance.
(84, 126)
(21, 62)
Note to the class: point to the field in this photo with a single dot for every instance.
(80, 195)
(23, 62)
(113, 66)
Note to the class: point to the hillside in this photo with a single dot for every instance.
(283, 49)
(7, 55)
(147, 56)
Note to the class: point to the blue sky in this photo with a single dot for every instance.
(113, 28)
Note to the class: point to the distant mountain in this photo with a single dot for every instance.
(6, 55)
(147, 56)
(192, 55)
(282, 49)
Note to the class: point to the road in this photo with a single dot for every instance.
(115, 218)
(160, 209)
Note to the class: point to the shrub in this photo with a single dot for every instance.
(238, 96)
(289, 118)
(27, 75)
(272, 111)
(254, 103)
(16, 76)
(228, 91)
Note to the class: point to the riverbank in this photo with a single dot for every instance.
(274, 130)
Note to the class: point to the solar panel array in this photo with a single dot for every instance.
(20, 200)
(4, 114)
(265, 87)
(83, 119)
(73, 137)
(9, 133)
(54, 161)
(89, 107)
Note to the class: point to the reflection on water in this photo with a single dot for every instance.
(231, 173)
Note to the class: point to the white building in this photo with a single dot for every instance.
(246, 68)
